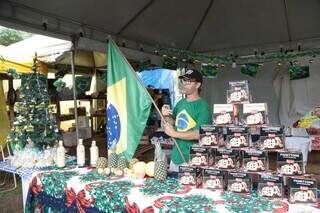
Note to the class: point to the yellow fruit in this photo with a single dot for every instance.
(149, 169)
(107, 171)
(139, 169)
(118, 172)
(139, 176)
(132, 162)
(100, 170)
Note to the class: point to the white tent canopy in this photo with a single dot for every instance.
(204, 26)
(48, 49)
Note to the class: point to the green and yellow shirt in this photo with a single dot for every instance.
(189, 116)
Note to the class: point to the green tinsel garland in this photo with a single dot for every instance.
(93, 176)
(110, 196)
(247, 203)
(53, 183)
(152, 186)
(185, 55)
(190, 203)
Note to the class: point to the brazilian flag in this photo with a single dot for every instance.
(128, 104)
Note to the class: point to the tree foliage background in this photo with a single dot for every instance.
(10, 36)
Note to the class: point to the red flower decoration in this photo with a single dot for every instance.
(79, 199)
(35, 188)
(38, 208)
(185, 190)
(219, 202)
(88, 187)
(148, 210)
(131, 208)
(158, 203)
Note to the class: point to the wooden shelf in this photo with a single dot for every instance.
(79, 97)
(98, 115)
(66, 117)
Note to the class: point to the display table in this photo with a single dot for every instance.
(84, 190)
(302, 144)
(25, 174)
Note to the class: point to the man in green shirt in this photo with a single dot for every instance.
(189, 114)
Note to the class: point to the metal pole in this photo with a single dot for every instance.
(74, 91)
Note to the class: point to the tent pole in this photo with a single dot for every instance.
(74, 90)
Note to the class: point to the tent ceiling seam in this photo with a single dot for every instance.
(137, 15)
(200, 24)
(287, 20)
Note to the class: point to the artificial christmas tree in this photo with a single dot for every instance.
(34, 125)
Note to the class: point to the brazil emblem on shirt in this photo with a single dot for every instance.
(184, 121)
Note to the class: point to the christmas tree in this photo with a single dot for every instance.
(34, 125)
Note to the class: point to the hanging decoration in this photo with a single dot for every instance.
(59, 85)
(185, 55)
(170, 63)
(141, 65)
(83, 84)
(209, 70)
(298, 72)
(250, 69)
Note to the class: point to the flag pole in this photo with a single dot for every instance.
(154, 104)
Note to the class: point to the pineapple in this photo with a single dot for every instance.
(113, 160)
(113, 157)
(160, 168)
(102, 162)
(122, 163)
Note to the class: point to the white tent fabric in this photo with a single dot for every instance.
(205, 26)
(48, 49)
(288, 100)
(297, 97)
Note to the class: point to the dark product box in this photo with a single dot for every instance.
(227, 158)
(189, 175)
(255, 114)
(255, 160)
(239, 182)
(224, 114)
(271, 186)
(238, 92)
(237, 137)
(209, 135)
(271, 138)
(290, 163)
(213, 179)
(302, 190)
(201, 156)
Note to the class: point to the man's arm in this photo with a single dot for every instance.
(191, 135)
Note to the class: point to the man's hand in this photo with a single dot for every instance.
(169, 130)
